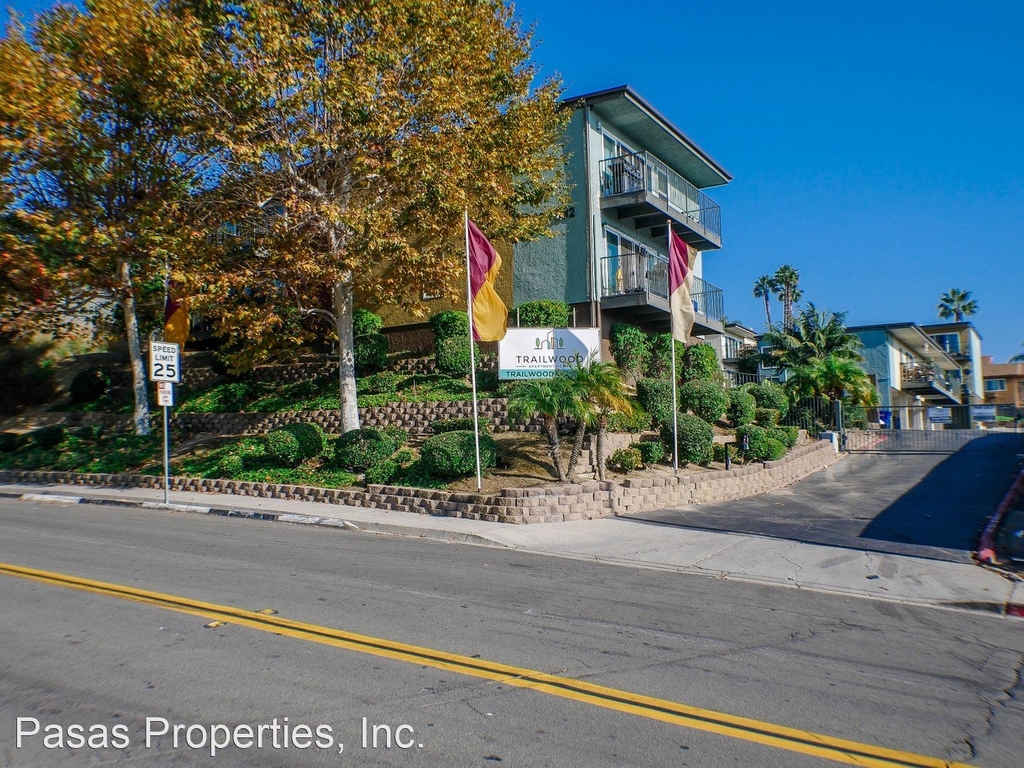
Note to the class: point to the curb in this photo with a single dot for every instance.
(986, 542)
(249, 514)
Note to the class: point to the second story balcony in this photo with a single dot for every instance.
(642, 189)
(638, 281)
(930, 382)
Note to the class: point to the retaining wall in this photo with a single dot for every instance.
(557, 503)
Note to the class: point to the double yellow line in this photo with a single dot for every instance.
(759, 732)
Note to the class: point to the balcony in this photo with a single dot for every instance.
(646, 192)
(928, 381)
(637, 282)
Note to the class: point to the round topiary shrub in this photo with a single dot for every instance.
(311, 438)
(695, 439)
(365, 322)
(370, 352)
(381, 473)
(773, 450)
(631, 349)
(89, 385)
(452, 356)
(49, 437)
(705, 398)
(651, 452)
(283, 448)
(660, 366)
(769, 395)
(360, 449)
(625, 460)
(757, 442)
(380, 383)
(449, 324)
(543, 314)
(655, 396)
(452, 454)
(231, 466)
(699, 363)
(767, 417)
(742, 406)
(785, 435)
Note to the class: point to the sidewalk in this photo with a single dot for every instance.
(621, 541)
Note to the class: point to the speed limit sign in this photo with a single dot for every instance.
(164, 362)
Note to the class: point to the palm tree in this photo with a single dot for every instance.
(549, 399)
(600, 390)
(763, 289)
(813, 335)
(832, 377)
(957, 304)
(1017, 358)
(785, 280)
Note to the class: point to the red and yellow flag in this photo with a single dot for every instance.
(490, 317)
(176, 322)
(680, 303)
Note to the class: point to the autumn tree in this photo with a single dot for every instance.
(99, 149)
(359, 132)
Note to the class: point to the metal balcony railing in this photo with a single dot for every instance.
(643, 172)
(923, 373)
(646, 271)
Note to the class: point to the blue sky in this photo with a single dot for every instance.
(875, 146)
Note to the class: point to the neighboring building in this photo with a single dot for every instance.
(732, 346)
(1003, 384)
(963, 343)
(908, 369)
(633, 174)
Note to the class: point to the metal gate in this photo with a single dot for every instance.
(923, 429)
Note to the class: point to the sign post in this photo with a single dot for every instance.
(165, 370)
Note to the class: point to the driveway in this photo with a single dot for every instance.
(924, 505)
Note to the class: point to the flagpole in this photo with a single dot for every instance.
(472, 355)
(672, 343)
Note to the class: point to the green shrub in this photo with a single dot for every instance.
(625, 460)
(742, 407)
(759, 443)
(452, 356)
(380, 383)
(283, 448)
(631, 349)
(381, 473)
(638, 421)
(311, 439)
(405, 457)
(695, 439)
(89, 385)
(399, 435)
(718, 452)
(452, 454)
(767, 417)
(773, 449)
(651, 451)
(804, 417)
(360, 449)
(231, 465)
(26, 376)
(544, 314)
(49, 437)
(785, 435)
(705, 398)
(453, 425)
(370, 352)
(365, 323)
(655, 396)
(11, 441)
(451, 323)
(699, 363)
(855, 416)
(660, 366)
(769, 395)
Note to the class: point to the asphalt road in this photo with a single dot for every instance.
(939, 683)
(926, 505)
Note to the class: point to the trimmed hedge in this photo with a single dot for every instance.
(769, 395)
(767, 417)
(631, 348)
(705, 398)
(699, 363)
(773, 449)
(360, 449)
(464, 424)
(651, 451)
(448, 324)
(625, 460)
(452, 454)
(452, 356)
(637, 421)
(762, 446)
(365, 323)
(655, 396)
(370, 352)
(543, 314)
(742, 406)
(695, 439)
(785, 435)
(293, 444)
(381, 473)
(660, 365)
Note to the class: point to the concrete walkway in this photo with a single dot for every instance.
(620, 541)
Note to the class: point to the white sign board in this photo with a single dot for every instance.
(983, 412)
(940, 415)
(165, 393)
(164, 362)
(537, 353)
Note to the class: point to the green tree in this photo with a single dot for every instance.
(764, 288)
(601, 391)
(785, 282)
(957, 304)
(100, 148)
(1017, 358)
(369, 128)
(814, 335)
(550, 399)
(832, 377)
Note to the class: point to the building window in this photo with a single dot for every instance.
(995, 385)
(948, 342)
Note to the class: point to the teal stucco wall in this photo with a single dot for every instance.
(876, 362)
